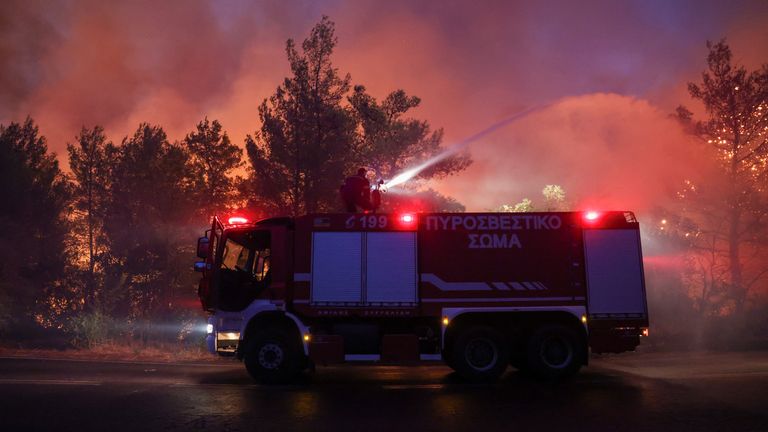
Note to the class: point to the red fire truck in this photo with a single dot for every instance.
(479, 291)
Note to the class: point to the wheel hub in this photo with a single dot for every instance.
(556, 352)
(270, 356)
(481, 354)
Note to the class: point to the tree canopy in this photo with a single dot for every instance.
(299, 156)
(314, 133)
(90, 162)
(390, 142)
(212, 158)
(151, 202)
(553, 200)
(33, 214)
(723, 217)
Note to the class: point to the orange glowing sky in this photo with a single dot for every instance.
(609, 72)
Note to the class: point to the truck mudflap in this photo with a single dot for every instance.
(615, 335)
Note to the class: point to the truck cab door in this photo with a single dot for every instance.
(243, 271)
(206, 290)
(281, 261)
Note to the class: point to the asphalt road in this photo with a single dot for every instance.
(631, 392)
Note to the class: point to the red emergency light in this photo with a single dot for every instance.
(407, 218)
(237, 220)
(591, 216)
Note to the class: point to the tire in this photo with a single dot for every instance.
(555, 351)
(274, 357)
(480, 354)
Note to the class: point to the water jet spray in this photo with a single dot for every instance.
(413, 172)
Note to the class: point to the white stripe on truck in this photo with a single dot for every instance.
(454, 286)
(480, 286)
(499, 299)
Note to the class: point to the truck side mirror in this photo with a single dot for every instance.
(202, 247)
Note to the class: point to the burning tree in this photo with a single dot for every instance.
(135, 205)
(150, 208)
(90, 162)
(723, 218)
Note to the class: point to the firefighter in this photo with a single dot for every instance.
(356, 192)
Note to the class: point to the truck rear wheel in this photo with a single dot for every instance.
(480, 354)
(555, 351)
(273, 357)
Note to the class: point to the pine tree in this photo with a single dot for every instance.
(390, 142)
(299, 157)
(90, 162)
(150, 207)
(213, 158)
(723, 218)
(33, 215)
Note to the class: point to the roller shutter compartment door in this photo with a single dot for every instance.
(390, 267)
(337, 267)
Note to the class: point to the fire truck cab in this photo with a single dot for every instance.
(479, 291)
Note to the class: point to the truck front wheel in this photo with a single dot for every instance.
(273, 357)
(480, 354)
(555, 351)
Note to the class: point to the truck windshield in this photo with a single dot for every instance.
(243, 268)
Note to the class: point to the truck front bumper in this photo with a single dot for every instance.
(223, 335)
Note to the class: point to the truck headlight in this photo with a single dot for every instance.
(209, 328)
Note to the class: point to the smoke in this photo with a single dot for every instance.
(607, 151)
(25, 37)
(171, 63)
(69, 64)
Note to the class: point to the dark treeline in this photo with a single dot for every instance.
(110, 242)
(105, 251)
